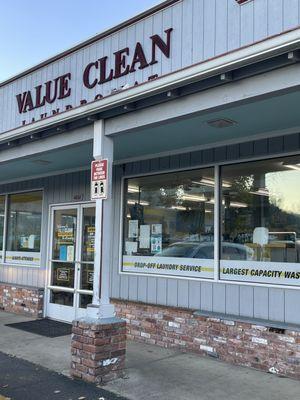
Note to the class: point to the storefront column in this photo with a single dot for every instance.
(101, 307)
(99, 340)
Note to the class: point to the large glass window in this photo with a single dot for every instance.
(64, 250)
(261, 221)
(24, 227)
(169, 224)
(88, 250)
(64, 236)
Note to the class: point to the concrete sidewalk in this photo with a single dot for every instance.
(53, 354)
(154, 373)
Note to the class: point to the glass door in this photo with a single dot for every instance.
(71, 261)
(86, 278)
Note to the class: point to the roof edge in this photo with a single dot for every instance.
(93, 39)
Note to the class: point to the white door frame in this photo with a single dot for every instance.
(58, 311)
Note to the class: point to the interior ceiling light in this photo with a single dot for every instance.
(236, 204)
(210, 182)
(296, 167)
(191, 197)
(212, 201)
(205, 182)
(178, 208)
(261, 192)
(226, 184)
(133, 189)
(141, 203)
(221, 123)
(41, 162)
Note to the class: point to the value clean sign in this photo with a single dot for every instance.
(99, 179)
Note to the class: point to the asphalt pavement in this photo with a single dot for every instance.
(22, 380)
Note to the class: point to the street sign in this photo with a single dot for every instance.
(99, 179)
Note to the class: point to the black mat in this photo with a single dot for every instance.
(44, 327)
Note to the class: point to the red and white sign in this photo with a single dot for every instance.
(99, 179)
(99, 170)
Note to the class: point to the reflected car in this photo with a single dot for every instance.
(287, 238)
(205, 250)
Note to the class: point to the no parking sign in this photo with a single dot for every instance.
(99, 179)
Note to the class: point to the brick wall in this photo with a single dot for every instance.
(22, 300)
(241, 343)
(98, 350)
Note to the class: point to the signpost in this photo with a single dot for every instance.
(99, 179)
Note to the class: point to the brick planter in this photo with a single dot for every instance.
(22, 300)
(251, 344)
(98, 349)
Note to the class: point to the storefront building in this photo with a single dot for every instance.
(195, 106)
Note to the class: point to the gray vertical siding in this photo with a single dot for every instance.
(275, 304)
(259, 302)
(57, 189)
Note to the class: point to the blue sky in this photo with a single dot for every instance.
(34, 30)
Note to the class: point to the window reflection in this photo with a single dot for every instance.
(88, 234)
(261, 209)
(24, 222)
(170, 215)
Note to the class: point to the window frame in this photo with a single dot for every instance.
(4, 261)
(4, 229)
(217, 225)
